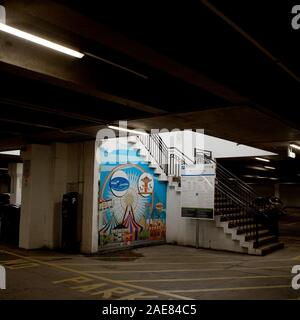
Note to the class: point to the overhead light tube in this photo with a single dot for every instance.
(37, 40)
(262, 159)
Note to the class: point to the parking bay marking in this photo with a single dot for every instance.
(121, 264)
(87, 275)
(228, 289)
(206, 279)
(185, 270)
(18, 264)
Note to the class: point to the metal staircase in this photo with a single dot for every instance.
(241, 213)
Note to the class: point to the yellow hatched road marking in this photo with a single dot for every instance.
(128, 285)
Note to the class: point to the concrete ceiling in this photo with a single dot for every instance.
(253, 128)
(198, 67)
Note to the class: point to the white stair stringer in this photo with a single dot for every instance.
(145, 155)
(248, 244)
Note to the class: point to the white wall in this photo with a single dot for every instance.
(182, 231)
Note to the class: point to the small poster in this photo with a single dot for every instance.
(198, 191)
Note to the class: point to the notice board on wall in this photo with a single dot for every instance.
(198, 191)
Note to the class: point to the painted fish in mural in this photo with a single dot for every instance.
(119, 184)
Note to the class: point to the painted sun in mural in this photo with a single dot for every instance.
(132, 198)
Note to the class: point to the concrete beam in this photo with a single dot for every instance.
(21, 57)
(62, 17)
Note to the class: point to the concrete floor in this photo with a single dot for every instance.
(157, 272)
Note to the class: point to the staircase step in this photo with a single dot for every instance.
(227, 210)
(245, 230)
(267, 240)
(261, 234)
(271, 248)
(225, 205)
(234, 216)
(243, 222)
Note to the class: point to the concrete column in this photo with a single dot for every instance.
(90, 199)
(35, 196)
(15, 170)
(49, 172)
(58, 186)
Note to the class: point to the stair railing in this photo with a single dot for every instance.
(170, 159)
(242, 206)
(234, 199)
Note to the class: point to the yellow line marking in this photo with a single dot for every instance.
(229, 289)
(14, 264)
(292, 223)
(170, 295)
(113, 258)
(185, 270)
(206, 279)
(169, 263)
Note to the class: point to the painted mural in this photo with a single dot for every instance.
(132, 201)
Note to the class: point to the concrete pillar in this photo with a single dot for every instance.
(58, 186)
(35, 196)
(90, 199)
(49, 172)
(15, 170)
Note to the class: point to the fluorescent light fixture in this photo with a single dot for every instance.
(262, 159)
(257, 168)
(11, 152)
(27, 36)
(270, 168)
(128, 130)
(295, 146)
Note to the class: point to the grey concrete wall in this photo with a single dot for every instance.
(288, 193)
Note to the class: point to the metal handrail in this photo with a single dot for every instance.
(230, 175)
(184, 156)
(232, 191)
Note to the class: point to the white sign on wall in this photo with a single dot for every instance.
(198, 191)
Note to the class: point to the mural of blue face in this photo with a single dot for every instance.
(132, 201)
